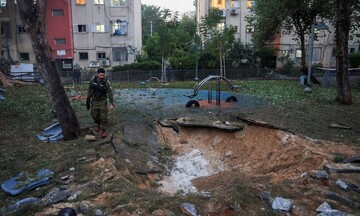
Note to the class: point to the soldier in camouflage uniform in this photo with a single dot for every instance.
(98, 92)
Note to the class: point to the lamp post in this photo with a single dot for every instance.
(318, 26)
(197, 58)
(311, 44)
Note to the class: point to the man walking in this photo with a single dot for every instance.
(98, 92)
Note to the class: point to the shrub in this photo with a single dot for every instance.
(146, 65)
(354, 59)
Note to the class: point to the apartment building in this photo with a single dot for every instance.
(88, 33)
(106, 32)
(234, 13)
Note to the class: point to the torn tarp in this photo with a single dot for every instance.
(21, 182)
(52, 133)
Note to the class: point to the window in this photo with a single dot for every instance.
(119, 28)
(284, 52)
(98, 1)
(118, 3)
(352, 50)
(57, 12)
(99, 28)
(81, 28)
(100, 55)
(3, 3)
(249, 29)
(249, 3)
(120, 54)
(219, 2)
(80, 2)
(20, 29)
(24, 56)
(298, 53)
(5, 29)
(83, 56)
(60, 41)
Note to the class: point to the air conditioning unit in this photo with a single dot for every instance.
(234, 11)
(94, 64)
(105, 63)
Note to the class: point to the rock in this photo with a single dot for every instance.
(325, 210)
(98, 212)
(188, 209)
(54, 196)
(282, 204)
(318, 174)
(341, 184)
(323, 207)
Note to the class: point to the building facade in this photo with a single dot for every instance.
(106, 32)
(234, 13)
(88, 33)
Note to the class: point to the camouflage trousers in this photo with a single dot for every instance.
(99, 112)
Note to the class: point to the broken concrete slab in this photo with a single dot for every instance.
(341, 168)
(206, 122)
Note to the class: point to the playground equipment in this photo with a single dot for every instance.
(209, 79)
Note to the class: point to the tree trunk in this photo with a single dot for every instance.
(343, 23)
(33, 17)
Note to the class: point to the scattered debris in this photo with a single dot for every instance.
(278, 203)
(339, 198)
(21, 182)
(19, 204)
(52, 133)
(282, 204)
(2, 94)
(347, 185)
(341, 168)
(188, 209)
(355, 159)
(318, 174)
(325, 210)
(89, 137)
(340, 126)
(209, 123)
(9, 82)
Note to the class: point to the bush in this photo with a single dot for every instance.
(354, 59)
(146, 65)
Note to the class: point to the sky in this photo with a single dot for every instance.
(174, 5)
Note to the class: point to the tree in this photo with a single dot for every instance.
(218, 39)
(343, 24)
(33, 16)
(270, 18)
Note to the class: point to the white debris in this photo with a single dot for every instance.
(186, 168)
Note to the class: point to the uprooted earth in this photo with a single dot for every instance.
(161, 158)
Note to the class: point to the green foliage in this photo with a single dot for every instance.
(338, 158)
(146, 65)
(354, 59)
